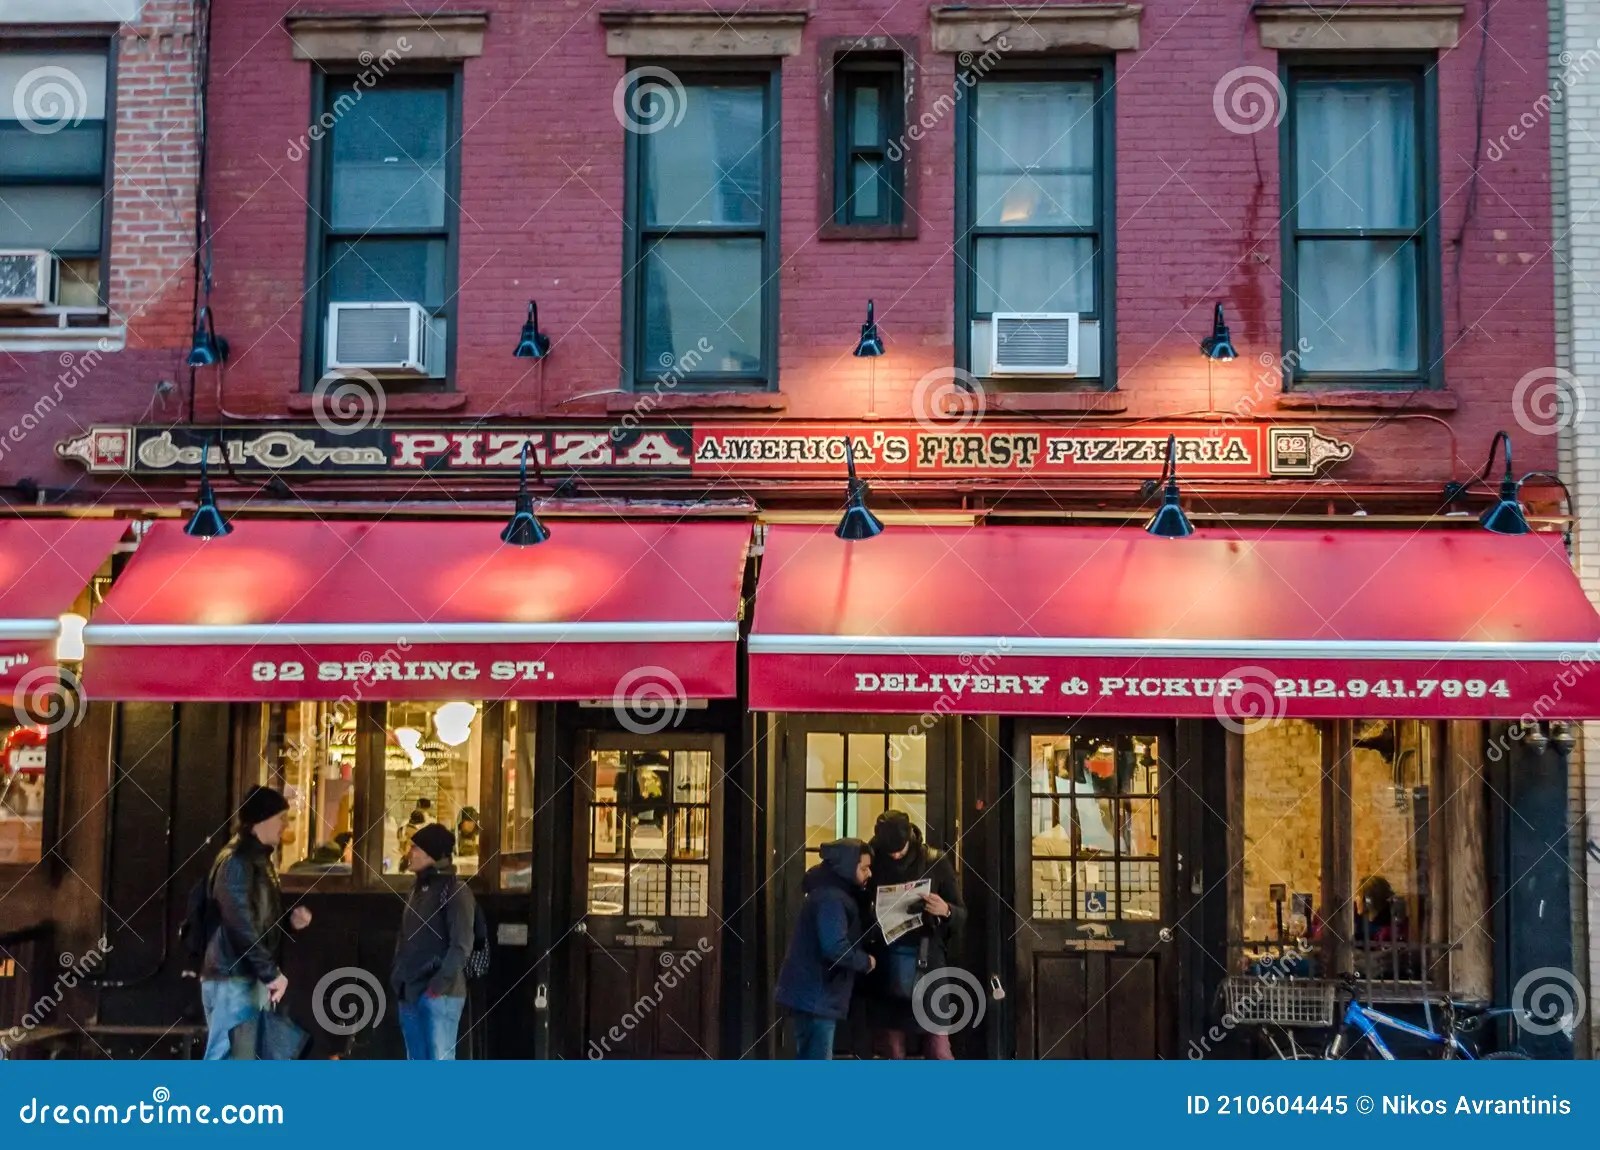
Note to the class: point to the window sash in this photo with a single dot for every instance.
(1421, 238)
(327, 238)
(644, 238)
(884, 78)
(974, 232)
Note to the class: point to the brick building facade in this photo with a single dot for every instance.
(702, 205)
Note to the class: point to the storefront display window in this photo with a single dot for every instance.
(516, 824)
(431, 773)
(22, 782)
(1391, 791)
(851, 779)
(1096, 819)
(1282, 860)
(308, 752)
(649, 834)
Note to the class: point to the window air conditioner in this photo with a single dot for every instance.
(27, 279)
(388, 338)
(1034, 343)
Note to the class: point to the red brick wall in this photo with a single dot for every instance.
(1197, 209)
(46, 397)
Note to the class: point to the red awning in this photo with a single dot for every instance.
(1236, 624)
(44, 565)
(307, 609)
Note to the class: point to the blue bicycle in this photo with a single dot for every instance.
(1358, 1034)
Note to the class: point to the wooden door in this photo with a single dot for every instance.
(647, 895)
(1096, 874)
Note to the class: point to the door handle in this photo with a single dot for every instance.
(1197, 885)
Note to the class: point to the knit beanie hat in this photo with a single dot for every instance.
(435, 841)
(260, 804)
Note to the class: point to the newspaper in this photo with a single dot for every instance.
(899, 907)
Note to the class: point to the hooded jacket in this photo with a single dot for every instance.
(825, 952)
(430, 955)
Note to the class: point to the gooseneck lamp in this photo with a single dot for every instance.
(1169, 521)
(533, 344)
(209, 349)
(858, 521)
(1505, 516)
(870, 345)
(207, 521)
(524, 529)
(1219, 344)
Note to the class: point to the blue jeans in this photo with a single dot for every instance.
(813, 1035)
(430, 1026)
(228, 1002)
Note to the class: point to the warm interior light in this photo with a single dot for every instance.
(69, 645)
(453, 723)
(410, 740)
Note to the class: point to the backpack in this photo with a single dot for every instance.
(200, 922)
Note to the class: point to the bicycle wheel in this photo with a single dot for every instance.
(1506, 1056)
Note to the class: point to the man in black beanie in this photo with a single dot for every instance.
(241, 974)
(430, 956)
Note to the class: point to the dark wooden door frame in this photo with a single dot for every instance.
(1175, 823)
(585, 743)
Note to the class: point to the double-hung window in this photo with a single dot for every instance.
(868, 141)
(1361, 289)
(702, 232)
(1034, 239)
(54, 140)
(384, 231)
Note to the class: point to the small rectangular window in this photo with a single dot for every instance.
(702, 232)
(384, 228)
(54, 138)
(868, 138)
(1362, 277)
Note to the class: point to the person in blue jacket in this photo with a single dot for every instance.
(826, 951)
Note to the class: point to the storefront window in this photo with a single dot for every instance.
(1391, 788)
(22, 793)
(431, 773)
(1096, 819)
(649, 834)
(516, 825)
(308, 753)
(851, 779)
(1282, 830)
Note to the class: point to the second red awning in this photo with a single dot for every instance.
(1233, 624)
(311, 609)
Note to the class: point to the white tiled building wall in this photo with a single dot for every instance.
(1574, 117)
